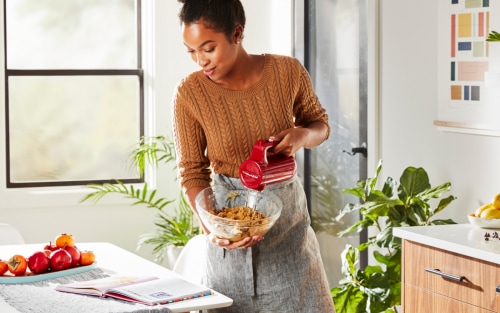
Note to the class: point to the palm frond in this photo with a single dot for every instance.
(152, 150)
(141, 196)
(493, 36)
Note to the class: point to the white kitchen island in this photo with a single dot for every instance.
(464, 239)
(450, 268)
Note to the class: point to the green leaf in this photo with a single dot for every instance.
(442, 222)
(493, 36)
(389, 189)
(151, 151)
(349, 300)
(443, 203)
(413, 181)
(357, 192)
(349, 259)
(358, 226)
(384, 238)
(372, 182)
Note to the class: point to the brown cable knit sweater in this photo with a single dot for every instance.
(216, 128)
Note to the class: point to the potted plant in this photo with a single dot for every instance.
(172, 231)
(377, 288)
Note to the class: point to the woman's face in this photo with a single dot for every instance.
(211, 50)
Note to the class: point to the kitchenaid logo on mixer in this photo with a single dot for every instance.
(252, 175)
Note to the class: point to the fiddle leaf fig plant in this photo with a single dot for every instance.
(377, 287)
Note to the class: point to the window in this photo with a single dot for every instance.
(74, 91)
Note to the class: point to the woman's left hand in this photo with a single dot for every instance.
(293, 139)
(245, 243)
(290, 141)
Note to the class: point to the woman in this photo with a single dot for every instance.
(219, 113)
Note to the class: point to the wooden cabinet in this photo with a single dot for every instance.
(421, 300)
(436, 280)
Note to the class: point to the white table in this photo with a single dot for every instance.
(115, 260)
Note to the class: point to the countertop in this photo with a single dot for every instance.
(464, 239)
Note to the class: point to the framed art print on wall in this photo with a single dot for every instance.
(468, 67)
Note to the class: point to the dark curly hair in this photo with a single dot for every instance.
(219, 15)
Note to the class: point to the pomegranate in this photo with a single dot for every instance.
(60, 260)
(4, 267)
(50, 246)
(75, 255)
(38, 262)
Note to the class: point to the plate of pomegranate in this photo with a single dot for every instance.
(56, 259)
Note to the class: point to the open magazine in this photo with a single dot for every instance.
(146, 290)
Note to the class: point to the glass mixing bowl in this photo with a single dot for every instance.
(212, 200)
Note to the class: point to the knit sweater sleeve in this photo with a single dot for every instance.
(190, 142)
(307, 107)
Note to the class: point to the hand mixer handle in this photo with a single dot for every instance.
(259, 151)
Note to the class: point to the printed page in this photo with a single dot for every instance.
(161, 291)
(99, 286)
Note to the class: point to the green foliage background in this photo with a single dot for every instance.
(377, 288)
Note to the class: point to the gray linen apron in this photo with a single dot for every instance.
(282, 273)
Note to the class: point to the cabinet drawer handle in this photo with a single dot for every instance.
(445, 275)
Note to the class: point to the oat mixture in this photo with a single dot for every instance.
(240, 213)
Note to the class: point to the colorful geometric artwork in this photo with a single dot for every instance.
(469, 29)
(468, 65)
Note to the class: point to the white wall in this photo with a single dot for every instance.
(408, 106)
(41, 214)
(404, 84)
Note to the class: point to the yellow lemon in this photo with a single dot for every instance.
(490, 213)
(482, 208)
(496, 201)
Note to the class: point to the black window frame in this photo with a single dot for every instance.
(139, 72)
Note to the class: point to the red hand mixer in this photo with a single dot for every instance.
(260, 169)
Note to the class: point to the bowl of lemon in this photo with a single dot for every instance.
(487, 215)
